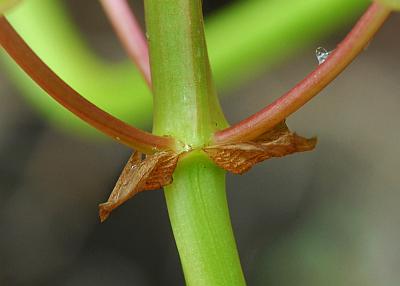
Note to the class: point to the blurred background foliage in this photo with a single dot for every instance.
(329, 217)
(243, 38)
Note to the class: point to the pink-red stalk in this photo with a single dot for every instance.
(354, 43)
(130, 34)
(133, 137)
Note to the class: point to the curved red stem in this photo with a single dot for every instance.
(17, 48)
(347, 50)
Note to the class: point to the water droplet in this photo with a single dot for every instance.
(321, 54)
(187, 148)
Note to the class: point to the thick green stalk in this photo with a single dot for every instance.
(200, 220)
(186, 107)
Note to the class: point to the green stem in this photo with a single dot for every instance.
(200, 221)
(186, 107)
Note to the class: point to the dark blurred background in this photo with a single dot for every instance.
(328, 217)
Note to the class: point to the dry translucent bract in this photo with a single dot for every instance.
(152, 173)
(240, 157)
(155, 171)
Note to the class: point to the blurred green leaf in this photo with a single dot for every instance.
(7, 4)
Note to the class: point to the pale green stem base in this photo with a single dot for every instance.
(200, 220)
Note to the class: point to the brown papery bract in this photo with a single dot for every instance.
(240, 157)
(138, 175)
(155, 171)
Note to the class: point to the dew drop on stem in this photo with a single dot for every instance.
(322, 54)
